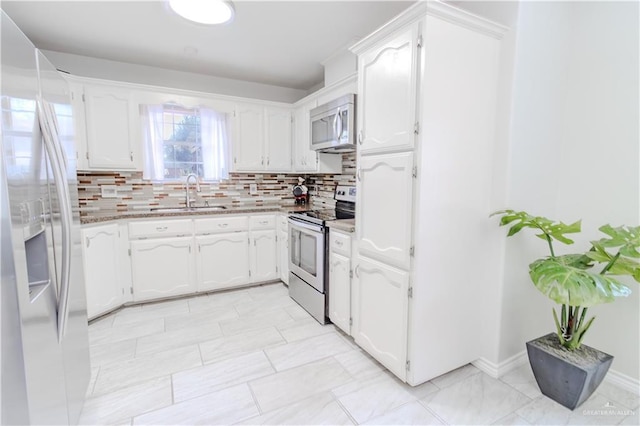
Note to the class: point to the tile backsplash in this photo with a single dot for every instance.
(133, 193)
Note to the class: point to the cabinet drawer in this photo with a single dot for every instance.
(262, 222)
(340, 243)
(160, 228)
(217, 225)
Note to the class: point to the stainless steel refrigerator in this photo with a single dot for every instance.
(43, 320)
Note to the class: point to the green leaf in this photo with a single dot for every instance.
(579, 261)
(564, 283)
(583, 330)
(598, 257)
(555, 319)
(522, 219)
(625, 237)
(515, 229)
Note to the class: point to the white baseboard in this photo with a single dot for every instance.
(623, 381)
(498, 370)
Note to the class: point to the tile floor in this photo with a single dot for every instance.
(253, 356)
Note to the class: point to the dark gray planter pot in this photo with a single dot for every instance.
(567, 377)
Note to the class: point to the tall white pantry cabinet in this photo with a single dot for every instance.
(426, 118)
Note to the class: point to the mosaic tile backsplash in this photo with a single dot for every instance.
(134, 193)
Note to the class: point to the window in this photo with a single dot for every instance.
(18, 124)
(18, 118)
(180, 141)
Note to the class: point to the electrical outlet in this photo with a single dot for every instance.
(253, 188)
(109, 191)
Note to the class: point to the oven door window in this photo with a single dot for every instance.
(294, 247)
(309, 254)
(306, 255)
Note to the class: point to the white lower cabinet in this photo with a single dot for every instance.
(340, 291)
(173, 257)
(283, 248)
(341, 252)
(381, 313)
(222, 260)
(101, 266)
(162, 267)
(263, 256)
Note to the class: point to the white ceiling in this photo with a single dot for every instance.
(280, 43)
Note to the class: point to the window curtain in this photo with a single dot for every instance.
(152, 139)
(215, 145)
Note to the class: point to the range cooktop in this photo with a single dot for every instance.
(345, 208)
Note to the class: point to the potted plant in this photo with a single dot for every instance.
(567, 371)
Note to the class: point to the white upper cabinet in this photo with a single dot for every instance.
(278, 139)
(110, 132)
(304, 158)
(385, 193)
(248, 143)
(388, 94)
(262, 138)
(333, 92)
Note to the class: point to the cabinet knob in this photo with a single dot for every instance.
(223, 225)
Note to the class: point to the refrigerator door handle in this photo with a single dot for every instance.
(48, 124)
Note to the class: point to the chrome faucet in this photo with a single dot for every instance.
(187, 198)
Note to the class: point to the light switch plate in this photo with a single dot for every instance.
(109, 191)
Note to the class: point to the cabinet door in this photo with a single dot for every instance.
(387, 94)
(278, 139)
(340, 291)
(162, 267)
(263, 256)
(109, 125)
(283, 256)
(384, 199)
(222, 260)
(79, 124)
(305, 159)
(249, 138)
(381, 312)
(100, 253)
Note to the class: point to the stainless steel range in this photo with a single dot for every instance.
(308, 253)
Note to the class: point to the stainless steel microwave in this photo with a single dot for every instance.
(333, 125)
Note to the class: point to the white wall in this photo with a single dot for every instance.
(120, 71)
(573, 153)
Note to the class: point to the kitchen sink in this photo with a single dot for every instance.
(188, 209)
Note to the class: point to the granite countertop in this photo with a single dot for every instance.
(106, 216)
(347, 225)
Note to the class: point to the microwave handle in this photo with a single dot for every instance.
(340, 124)
(335, 124)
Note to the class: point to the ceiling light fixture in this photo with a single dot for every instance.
(208, 12)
